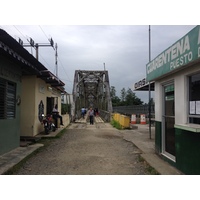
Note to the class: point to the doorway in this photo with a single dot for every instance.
(168, 142)
(51, 102)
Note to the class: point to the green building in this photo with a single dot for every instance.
(176, 73)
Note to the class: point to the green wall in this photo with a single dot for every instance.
(10, 128)
(158, 137)
(187, 149)
(188, 152)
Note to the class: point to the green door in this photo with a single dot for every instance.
(168, 122)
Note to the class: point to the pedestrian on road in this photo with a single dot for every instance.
(83, 112)
(91, 115)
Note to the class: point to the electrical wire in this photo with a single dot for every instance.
(31, 48)
(58, 59)
(44, 61)
(43, 32)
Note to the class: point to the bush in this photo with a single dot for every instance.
(116, 124)
(65, 108)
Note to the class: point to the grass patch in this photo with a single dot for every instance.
(116, 124)
(61, 133)
(150, 169)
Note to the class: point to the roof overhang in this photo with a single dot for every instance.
(15, 52)
(50, 78)
(142, 85)
(10, 48)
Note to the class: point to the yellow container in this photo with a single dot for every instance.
(114, 116)
(124, 121)
(117, 117)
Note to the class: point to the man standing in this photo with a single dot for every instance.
(91, 115)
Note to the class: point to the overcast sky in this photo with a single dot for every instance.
(124, 49)
(93, 41)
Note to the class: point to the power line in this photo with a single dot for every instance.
(31, 47)
(55, 69)
(20, 32)
(57, 55)
(44, 32)
(64, 69)
(44, 61)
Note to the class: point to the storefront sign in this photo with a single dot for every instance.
(184, 51)
(140, 83)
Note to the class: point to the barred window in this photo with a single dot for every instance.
(7, 99)
(194, 99)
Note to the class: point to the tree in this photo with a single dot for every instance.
(123, 95)
(115, 99)
(131, 98)
(127, 97)
(151, 101)
(112, 92)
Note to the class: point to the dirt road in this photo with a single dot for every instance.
(86, 149)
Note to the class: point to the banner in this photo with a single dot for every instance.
(181, 53)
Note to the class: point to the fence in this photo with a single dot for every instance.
(135, 109)
(105, 115)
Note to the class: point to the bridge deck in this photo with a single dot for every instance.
(97, 119)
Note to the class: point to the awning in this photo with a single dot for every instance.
(146, 87)
(142, 85)
(50, 78)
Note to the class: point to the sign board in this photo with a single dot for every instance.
(181, 53)
(140, 83)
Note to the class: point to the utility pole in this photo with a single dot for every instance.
(149, 84)
(56, 58)
(37, 45)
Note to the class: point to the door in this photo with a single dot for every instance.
(168, 122)
(50, 104)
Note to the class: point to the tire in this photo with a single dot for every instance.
(46, 130)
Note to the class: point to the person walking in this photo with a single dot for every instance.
(83, 112)
(91, 115)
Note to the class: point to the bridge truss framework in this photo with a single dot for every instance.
(91, 89)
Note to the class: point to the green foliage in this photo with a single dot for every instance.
(116, 124)
(127, 98)
(123, 94)
(112, 92)
(65, 108)
(115, 101)
(131, 98)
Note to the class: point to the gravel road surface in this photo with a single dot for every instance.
(85, 149)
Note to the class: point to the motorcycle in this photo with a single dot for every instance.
(48, 124)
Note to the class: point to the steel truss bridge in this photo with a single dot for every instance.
(92, 89)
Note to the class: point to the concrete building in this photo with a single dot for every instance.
(176, 73)
(39, 94)
(27, 89)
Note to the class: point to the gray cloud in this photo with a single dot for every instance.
(124, 49)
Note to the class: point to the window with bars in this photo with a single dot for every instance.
(7, 99)
(194, 99)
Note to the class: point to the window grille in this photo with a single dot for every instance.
(194, 99)
(7, 99)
